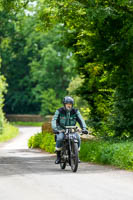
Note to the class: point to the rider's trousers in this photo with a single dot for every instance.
(60, 138)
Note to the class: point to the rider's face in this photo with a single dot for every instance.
(68, 106)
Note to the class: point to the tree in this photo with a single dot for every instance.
(13, 5)
(52, 68)
(49, 102)
(79, 102)
(15, 59)
(33, 62)
(4, 40)
(101, 35)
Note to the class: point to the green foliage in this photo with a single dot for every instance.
(35, 141)
(8, 132)
(101, 35)
(19, 98)
(54, 69)
(32, 62)
(2, 90)
(40, 65)
(79, 102)
(118, 154)
(6, 7)
(13, 5)
(48, 143)
(123, 116)
(49, 102)
(44, 141)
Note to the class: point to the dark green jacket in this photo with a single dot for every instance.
(63, 118)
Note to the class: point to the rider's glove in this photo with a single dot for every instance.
(84, 131)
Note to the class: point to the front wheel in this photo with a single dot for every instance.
(62, 164)
(74, 157)
(63, 161)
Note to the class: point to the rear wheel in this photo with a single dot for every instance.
(74, 157)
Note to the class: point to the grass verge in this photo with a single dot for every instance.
(19, 123)
(9, 132)
(119, 154)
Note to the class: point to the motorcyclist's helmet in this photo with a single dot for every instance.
(68, 99)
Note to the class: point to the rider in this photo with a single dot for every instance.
(66, 116)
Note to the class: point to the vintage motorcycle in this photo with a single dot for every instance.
(69, 152)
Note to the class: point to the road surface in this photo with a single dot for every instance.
(28, 174)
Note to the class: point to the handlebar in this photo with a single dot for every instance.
(75, 128)
(70, 127)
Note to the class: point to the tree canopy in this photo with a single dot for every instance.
(86, 42)
(4, 5)
(100, 33)
(33, 62)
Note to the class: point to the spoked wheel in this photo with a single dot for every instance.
(74, 157)
(63, 162)
(63, 165)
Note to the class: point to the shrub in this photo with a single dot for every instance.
(8, 132)
(3, 86)
(43, 141)
(48, 143)
(35, 141)
(119, 154)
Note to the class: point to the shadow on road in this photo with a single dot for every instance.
(22, 162)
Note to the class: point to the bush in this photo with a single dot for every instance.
(8, 132)
(118, 154)
(43, 141)
(3, 86)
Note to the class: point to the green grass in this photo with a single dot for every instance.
(118, 154)
(19, 123)
(9, 132)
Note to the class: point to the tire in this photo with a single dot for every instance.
(74, 157)
(63, 161)
(63, 165)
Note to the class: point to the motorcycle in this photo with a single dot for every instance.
(69, 152)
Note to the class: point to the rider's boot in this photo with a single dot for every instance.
(58, 157)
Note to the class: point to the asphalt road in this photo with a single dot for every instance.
(28, 174)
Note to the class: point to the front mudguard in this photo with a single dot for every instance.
(74, 138)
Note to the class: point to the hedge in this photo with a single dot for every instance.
(118, 154)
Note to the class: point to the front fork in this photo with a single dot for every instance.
(72, 139)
